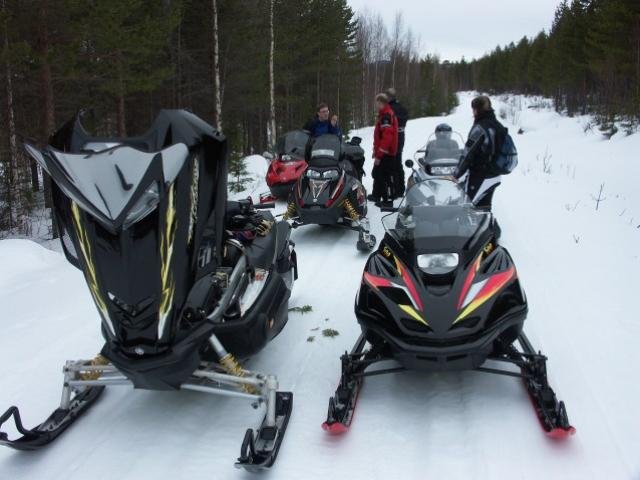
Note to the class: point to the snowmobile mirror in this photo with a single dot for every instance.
(268, 155)
(409, 163)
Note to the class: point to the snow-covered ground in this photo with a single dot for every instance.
(579, 266)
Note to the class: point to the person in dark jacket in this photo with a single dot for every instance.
(385, 149)
(402, 114)
(479, 153)
(321, 124)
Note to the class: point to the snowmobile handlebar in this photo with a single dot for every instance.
(238, 273)
(264, 206)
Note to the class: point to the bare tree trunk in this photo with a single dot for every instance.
(272, 91)
(365, 67)
(637, 82)
(121, 117)
(375, 78)
(11, 126)
(121, 120)
(216, 67)
(179, 68)
(396, 36)
(46, 86)
(338, 90)
(393, 70)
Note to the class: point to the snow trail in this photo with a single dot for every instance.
(579, 267)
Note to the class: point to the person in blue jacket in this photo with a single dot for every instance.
(321, 124)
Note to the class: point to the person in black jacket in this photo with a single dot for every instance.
(479, 152)
(402, 114)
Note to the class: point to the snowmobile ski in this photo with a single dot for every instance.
(342, 405)
(53, 426)
(259, 450)
(551, 412)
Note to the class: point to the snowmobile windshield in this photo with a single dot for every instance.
(442, 145)
(293, 145)
(326, 151)
(433, 208)
(115, 185)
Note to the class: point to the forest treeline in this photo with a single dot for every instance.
(258, 68)
(589, 62)
(123, 60)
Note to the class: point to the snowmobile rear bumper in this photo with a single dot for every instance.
(425, 356)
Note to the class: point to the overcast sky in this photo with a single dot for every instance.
(453, 28)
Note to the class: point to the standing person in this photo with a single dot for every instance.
(385, 149)
(485, 138)
(321, 124)
(402, 114)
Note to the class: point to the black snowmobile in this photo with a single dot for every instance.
(441, 294)
(331, 192)
(184, 280)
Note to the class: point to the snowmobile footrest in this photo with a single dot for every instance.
(53, 426)
(260, 449)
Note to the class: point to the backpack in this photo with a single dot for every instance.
(505, 158)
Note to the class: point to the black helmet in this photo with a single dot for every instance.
(443, 127)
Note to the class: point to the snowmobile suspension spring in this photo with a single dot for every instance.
(264, 228)
(98, 360)
(291, 211)
(352, 212)
(233, 367)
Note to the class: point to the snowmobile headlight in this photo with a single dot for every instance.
(313, 174)
(437, 263)
(331, 174)
(443, 170)
(146, 204)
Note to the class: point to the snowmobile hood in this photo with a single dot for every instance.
(169, 127)
(116, 183)
(117, 180)
(143, 218)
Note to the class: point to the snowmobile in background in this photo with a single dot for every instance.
(441, 155)
(288, 165)
(440, 294)
(183, 280)
(331, 192)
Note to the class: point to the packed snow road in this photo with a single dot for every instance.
(579, 266)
